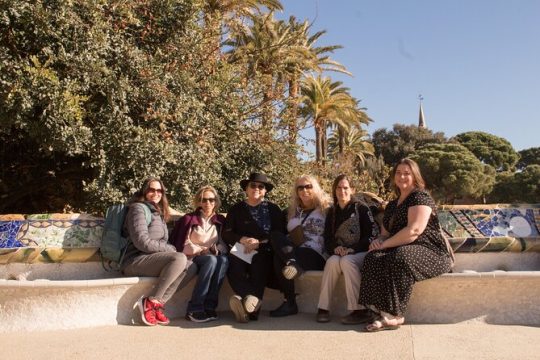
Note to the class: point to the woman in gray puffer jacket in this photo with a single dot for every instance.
(149, 252)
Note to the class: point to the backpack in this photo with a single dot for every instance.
(113, 243)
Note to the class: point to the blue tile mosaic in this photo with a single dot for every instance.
(8, 234)
(77, 237)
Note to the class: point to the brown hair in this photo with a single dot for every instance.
(419, 182)
(336, 183)
(162, 206)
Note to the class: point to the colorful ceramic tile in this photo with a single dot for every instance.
(55, 238)
(457, 243)
(75, 233)
(499, 244)
(8, 233)
(473, 245)
(536, 216)
(11, 217)
(467, 224)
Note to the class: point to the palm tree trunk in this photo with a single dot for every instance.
(324, 143)
(318, 144)
(341, 135)
(293, 110)
(267, 106)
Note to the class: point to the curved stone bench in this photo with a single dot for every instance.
(496, 297)
(496, 278)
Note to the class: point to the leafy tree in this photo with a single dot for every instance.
(403, 140)
(504, 189)
(529, 184)
(529, 156)
(519, 187)
(96, 96)
(374, 174)
(453, 172)
(490, 149)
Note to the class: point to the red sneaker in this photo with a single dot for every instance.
(148, 314)
(161, 319)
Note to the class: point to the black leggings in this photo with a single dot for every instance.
(250, 279)
(284, 250)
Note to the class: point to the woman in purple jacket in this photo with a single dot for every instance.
(198, 236)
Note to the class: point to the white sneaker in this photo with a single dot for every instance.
(240, 313)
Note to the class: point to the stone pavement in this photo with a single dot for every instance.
(295, 337)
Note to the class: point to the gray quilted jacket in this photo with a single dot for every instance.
(145, 239)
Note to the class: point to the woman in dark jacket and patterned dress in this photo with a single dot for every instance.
(249, 224)
(149, 252)
(198, 236)
(410, 249)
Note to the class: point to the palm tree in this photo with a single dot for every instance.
(318, 62)
(325, 102)
(231, 14)
(355, 141)
(358, 118)
(269, 51)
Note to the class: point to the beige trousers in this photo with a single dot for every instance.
(350, 266)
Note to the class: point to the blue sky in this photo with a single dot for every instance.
(475, 62)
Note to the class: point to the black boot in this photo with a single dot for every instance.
(285, 309)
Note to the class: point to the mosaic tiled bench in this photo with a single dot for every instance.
(50, 263)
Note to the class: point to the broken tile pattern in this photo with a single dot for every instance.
(76, 237)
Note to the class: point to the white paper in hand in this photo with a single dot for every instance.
(238, 251)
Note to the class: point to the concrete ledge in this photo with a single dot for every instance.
(496, 298)
(493, 297)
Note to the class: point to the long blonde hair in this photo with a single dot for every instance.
(321, 199)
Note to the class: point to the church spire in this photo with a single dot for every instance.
(421, 120)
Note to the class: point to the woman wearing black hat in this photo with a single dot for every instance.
(249, 223)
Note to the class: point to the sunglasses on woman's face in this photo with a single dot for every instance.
(208, 200)
(306, 187)
(153, 190)
(256, 186)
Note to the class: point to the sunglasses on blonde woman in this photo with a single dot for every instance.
(208, 200)
(306, 187)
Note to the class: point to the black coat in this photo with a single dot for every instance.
(240, 223)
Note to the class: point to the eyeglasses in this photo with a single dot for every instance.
(152, 190)
(257, 186)
(209, 200)
(306, 187)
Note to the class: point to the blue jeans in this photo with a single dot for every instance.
(212, 270)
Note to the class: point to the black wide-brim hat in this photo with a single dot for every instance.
(257, 177)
